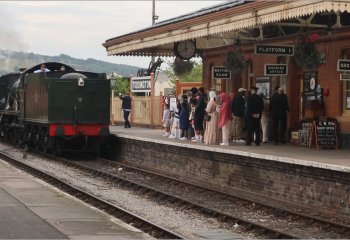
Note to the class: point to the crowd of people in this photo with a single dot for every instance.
(243, 117)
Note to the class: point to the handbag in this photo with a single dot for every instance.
(207, 117)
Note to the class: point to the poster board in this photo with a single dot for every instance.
(309, 87)
(324, 134)
(264, 85)
(173, 104)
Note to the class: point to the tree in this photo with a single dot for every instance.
(122, 85)
(195, 75)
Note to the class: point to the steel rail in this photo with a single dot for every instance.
(130, 218)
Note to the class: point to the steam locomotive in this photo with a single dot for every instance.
(55, 111)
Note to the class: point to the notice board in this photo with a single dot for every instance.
(324, 134)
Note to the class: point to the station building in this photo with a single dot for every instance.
(302, 46)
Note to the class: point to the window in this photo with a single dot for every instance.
(347, 97)
(346, 86)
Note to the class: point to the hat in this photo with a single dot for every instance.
(281, 90)
(242, 90)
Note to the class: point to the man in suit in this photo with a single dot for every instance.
(237, 107)
(278, 111)
(255, 106)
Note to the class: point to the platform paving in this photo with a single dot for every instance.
(31, 209)
(335, 159)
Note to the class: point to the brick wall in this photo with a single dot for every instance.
(282, 184)
(328, 77)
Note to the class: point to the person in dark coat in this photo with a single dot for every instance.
(184, 120)
(126, 106)
(255, 106)
(199, 115)
(278, 111)
(237, 107)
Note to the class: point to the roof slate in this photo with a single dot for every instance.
(198, 13)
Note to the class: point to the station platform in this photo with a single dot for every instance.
(31, 209)
(332, 159)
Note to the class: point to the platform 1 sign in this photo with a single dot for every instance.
(343, 65)
(283, 50)
(275, 69)
(221, 72)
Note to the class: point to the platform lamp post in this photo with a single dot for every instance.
(132, 99)
(152, 101)
(154, 18)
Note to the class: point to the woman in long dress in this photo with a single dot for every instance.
(211, 129)
(225, 117)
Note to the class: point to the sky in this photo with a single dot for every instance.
(78, 28)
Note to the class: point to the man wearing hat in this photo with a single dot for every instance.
(255, 106)
(237, 107)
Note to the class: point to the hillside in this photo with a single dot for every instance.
(12, 61)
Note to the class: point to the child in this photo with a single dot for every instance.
(175, 128)
(193, 108)
(166, 120)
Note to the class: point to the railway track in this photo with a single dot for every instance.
(136, 221)
(264, 220)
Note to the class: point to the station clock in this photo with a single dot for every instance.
(185, 49)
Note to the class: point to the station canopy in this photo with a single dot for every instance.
(223, 24)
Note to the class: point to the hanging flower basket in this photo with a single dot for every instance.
(306, 54)
(235, 60)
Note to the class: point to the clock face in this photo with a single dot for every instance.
(185, 49)
(312, 83)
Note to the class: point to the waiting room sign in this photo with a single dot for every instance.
(221, 72)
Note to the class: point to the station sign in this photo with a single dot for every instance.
(275, 69)
(141, 84)
(221, 72)
(343, 65)
(284, 50)
(345, 77)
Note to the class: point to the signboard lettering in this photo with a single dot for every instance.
(141, 84)
(285, 50)
(275, 69)
(343, 65)
(324, 134)
(221, 72)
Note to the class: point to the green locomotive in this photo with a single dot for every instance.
(55, 108)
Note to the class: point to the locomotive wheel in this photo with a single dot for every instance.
(37, 144)
(17, 139)
(46, 144)
(12, 137)
(57, 147)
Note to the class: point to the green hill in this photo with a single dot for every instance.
(11, 61)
